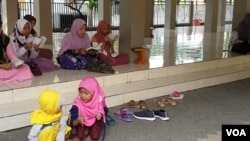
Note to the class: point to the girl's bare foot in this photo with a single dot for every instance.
(76, 139)
(88, 138)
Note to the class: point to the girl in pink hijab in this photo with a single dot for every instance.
(107, 51)
(73, 53)
(88, 109)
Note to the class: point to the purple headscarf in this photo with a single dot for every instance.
(72, 40)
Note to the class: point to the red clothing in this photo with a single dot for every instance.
(107, 50)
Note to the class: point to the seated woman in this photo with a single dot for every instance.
(21, 41)
(8, 73)
(107, 51)
(75, 54)
(4, 41)
(44, 52)
(241, 37)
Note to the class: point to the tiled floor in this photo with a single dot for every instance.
(199, 113)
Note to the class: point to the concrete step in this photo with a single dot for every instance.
(121, 88)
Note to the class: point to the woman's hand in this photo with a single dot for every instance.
(98, 116)
(28, 45)
(80, 119)
(83, 51)
(6, 66)
(36, 47)
(77, 51)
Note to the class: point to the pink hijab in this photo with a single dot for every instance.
(90, 109)
(72, 40)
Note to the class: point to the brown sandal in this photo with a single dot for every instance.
(159, 103)
(139, 105)
(142, 104)
(133, 104)
(170, 101)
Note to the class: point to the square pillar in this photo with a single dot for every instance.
(211, 16)
(9, 15)
(43, 14)
(104, 10)
(241, 7)
(222, 12)
(149, 18)
(132, 26)
(170, 14)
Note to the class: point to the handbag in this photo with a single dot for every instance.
(34, 68)
(96, 65)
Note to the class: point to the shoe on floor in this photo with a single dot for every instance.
(144, 115)
(123, 116)
(110, 121)
(176, 95)
(124, 110)
(162, 114)
(159, 103)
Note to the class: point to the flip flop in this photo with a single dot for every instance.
(169, 100)
(143, 104)
(177, 95)
(133, 104)
(126, 111)
(110, 121)
(123, 116)
(159, 103)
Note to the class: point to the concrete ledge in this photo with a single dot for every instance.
(118, 94)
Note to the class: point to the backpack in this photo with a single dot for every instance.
(48, 132)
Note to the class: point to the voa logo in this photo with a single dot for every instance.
(236, 132)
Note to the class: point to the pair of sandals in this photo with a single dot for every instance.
(124, 114)
(161, 103)
(139, 105)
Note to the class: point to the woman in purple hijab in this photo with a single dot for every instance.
(73, 53)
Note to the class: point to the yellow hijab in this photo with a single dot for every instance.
(49, 101)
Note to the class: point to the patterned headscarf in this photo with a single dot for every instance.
(90, 109)
(72, 40)
(17, 39)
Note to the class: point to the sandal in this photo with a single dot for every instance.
(133, 104)
(142, 104)
(169, 100)
(177, 95)
(110, 121)
(139, 105)
(126, 111)
(123, 116)
(159, 103)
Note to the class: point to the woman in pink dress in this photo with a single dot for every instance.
(8, 72)
(107, 52)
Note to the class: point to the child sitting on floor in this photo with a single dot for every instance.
(49, 124)
(88, 109)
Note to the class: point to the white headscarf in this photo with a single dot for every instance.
(17, 39)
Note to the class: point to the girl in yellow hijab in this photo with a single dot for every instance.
(48, 122)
